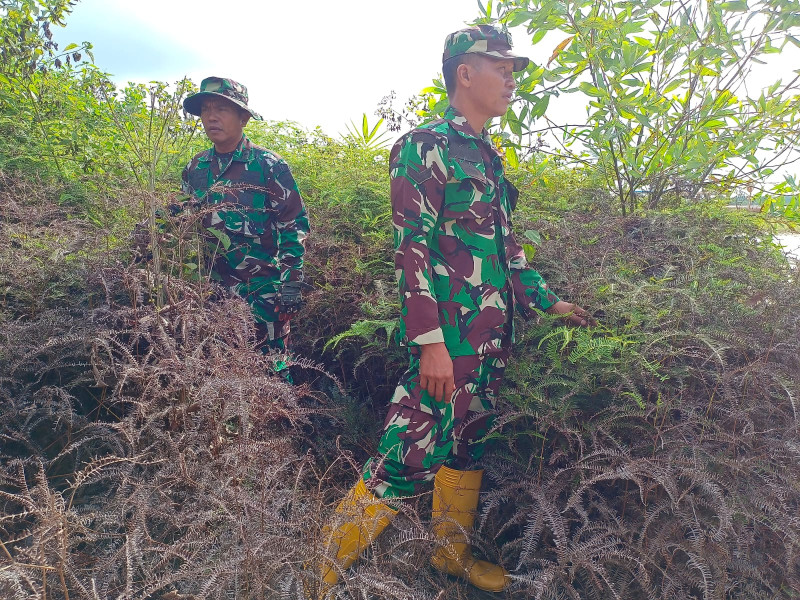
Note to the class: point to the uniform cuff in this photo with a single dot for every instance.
(545, 301)
(429, 337)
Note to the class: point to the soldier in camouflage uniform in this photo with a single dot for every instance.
(461, 274)
(256, 237)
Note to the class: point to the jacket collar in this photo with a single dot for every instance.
(241, 153)
(459, 122)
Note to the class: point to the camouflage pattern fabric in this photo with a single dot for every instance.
(265, 340)
(482, 39)
(256, 237)
(224, 88)
(460, 271)
(460, 275)
(421, 434)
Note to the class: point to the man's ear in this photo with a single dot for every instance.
(464, 74)
(245, 118)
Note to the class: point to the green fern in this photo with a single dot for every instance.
(366, 329)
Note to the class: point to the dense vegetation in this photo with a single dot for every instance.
(147, 451)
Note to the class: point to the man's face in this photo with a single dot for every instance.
(223, 122)
(492, 84)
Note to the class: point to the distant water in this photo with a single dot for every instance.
(790, 243)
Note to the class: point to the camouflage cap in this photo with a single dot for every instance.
(222, 87)
(482, 39)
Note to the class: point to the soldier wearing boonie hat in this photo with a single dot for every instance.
(485, 40)
(223, 88)
(261, 212)
(461, 274)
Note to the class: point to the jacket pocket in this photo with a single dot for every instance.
(469, 193)
(239, 221)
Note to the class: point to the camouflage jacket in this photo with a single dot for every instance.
(260, 228)
(459, 269)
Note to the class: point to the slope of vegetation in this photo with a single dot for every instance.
(148, 451)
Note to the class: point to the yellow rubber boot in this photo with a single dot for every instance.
(359, 518)
(455, 499)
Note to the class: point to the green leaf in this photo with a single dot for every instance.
(533, 236)
(519, 18)
(538, 36)
(511, 156)
(674, 85)
(440, 106)
(769, 48)
(530, 251)
(645, 66)
(221, 236)
(598, 23)
(636, 397)
(540, 107)
(643, 120)
(735, 6)
(590, 90)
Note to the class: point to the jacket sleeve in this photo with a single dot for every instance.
(291, 223)
(185, 187)
(418, 170)
(530, 289)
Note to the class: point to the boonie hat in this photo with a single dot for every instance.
(222, 87)
(482, 39)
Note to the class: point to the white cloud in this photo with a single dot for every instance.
(313, 61)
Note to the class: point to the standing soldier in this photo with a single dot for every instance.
(256, 237)
(461, 273)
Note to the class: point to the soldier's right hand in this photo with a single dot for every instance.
(576, 315)
(436, 371)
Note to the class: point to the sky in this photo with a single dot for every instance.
(312, 61)
(316, 62)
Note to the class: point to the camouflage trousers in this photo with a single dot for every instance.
(271, 332)
(266, 341)
(260, 293)
(421, 434)
(267, 345)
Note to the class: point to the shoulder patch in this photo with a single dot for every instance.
(425, 136)
(463, 149)
(420, 177)
(465, 152)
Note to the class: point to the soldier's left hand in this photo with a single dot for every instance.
(576, 315)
